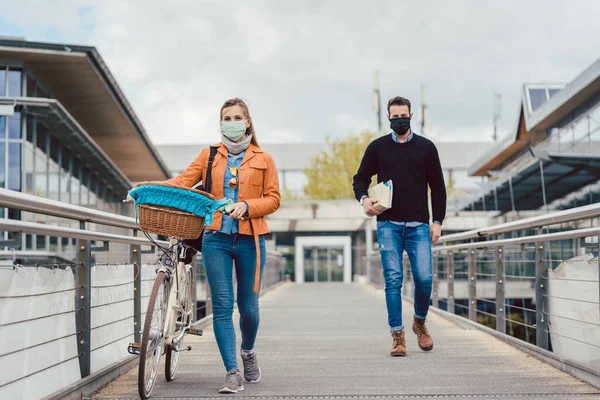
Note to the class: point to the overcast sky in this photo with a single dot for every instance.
(306, 67)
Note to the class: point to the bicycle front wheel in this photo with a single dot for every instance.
(153, 335)
(173, 351)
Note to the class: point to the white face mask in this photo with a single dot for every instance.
(233, 130)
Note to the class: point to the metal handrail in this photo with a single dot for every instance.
(34, 228)
(577, 233)
(573, 214)
(40, 205)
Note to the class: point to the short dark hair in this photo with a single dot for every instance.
(398, 101)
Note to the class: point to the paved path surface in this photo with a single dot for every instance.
(332, 341)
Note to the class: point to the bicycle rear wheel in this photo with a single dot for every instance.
(173, 351)
(152, 336)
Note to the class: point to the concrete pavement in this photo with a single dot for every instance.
(332, 340)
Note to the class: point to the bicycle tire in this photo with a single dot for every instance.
(145, 386)
(172, 356)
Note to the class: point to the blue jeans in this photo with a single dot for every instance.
(393, 240)
(219, 251)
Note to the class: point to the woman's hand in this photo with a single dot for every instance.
(238, 210)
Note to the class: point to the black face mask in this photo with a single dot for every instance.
(400, 125)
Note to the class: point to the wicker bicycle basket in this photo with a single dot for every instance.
(169, 221)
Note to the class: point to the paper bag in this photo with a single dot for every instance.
(383, 193)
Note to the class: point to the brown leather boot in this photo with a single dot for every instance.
(424, 338)
(398, 344)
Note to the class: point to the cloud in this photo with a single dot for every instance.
(306, 68)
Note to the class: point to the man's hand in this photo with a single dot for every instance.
(435, 230)
(368, 207)
(238, 210)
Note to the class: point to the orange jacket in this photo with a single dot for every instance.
(258, 187)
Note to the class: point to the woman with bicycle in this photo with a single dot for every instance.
(244, 173)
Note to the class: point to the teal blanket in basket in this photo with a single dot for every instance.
(181, 199)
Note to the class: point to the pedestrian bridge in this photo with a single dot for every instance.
(515, 314)
(332, 340)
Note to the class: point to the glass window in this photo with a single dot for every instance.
(53, 244)
(66, 156)
(2, 80)
(2, 164)
(14, 126)
(14, 166)
(41, 137)
(537, 97)
(14, 214)
(40, 242)
(2, 127)
(14, 83)
(552, 92)
(85, 182)
(29, 130)
(41, 175)
(28, 155)
(65, 177)
(53, 181)
(30, 86)
(75, 184)
(54, 148)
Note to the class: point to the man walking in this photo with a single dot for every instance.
(412, 163)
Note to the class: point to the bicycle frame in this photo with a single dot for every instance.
(173, 329)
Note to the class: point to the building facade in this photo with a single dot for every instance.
(551, 161)
(292, 159)
(67, 133)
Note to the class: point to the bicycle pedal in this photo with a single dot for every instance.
(192, 331)
(134, 348)
(188, 348)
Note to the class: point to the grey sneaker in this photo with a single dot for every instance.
(233, 383)
(251, 369)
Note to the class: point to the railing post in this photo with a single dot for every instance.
(473, 286)
(194, 289)
(136, 260)
(500, 297)
(451, 307)
(436, 282)
(83, 303)
(541, 297)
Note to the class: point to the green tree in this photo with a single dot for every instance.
(330, 172)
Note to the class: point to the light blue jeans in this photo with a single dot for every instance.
(219, 251)
(393, 240)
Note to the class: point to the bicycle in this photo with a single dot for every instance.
(168, 316)
(168, 319)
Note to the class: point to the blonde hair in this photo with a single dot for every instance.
(239, 102)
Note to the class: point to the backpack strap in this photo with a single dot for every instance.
(211, 158)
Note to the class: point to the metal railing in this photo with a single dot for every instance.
(94, 309)
(572, 215)
(542, 288)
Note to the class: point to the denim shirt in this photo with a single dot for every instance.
(408, 224)
(230, 225)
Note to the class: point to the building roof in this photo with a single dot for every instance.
(80, 80)
(296, 156)
(65, 127)
(562, 174)
(542, 107)
(288, 157)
